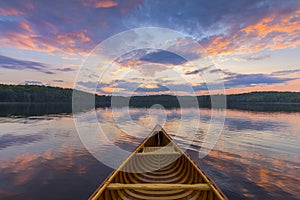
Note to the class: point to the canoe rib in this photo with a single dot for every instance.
(167, 173)
(147, 186)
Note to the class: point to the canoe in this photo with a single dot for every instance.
(158, 170)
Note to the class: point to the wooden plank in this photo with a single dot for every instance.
(158, 186)
(159, 149)
(157, 154)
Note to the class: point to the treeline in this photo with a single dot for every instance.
(47, 94)
(265, 97)
(219, 101)
(34, 94)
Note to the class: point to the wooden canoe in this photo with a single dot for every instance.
(158, 169)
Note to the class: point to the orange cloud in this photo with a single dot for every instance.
(69, 42)
(26, 38)
(70, 38)
(99, 3)
(274, 31)
(29, 42)
(25, 26)
(111, 89)
(150, 85)
(105, 4)
(9, 12)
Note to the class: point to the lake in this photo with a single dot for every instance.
(42, 156)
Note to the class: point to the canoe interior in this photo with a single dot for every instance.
(158, 169)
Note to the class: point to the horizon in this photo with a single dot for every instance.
(252, 45)
(145, 95)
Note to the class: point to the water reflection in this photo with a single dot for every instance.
(40, 109)
(7, 140)
(42, 157)
(50, 164)
(25, 110)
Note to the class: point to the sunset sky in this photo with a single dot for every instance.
(253, 45)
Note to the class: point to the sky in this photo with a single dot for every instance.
(243, 45)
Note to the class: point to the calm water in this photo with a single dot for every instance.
(257, 155)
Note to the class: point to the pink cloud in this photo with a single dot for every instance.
(99, 3)
(27, 38)
(25, 26)
(10, 11)
(105, 4)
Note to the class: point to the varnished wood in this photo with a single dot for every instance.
(158, 186)
(158, 169)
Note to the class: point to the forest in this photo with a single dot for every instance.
(44, 94)
(48, 94)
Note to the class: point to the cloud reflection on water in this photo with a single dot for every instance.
(256, 157)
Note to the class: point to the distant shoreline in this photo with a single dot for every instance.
(25, 103)
(28, 94)
(67, 103)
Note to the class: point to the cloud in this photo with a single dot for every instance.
(90, 86)
(132, 59)
(123, 87)
(31, 83)
(163, 57)
(238, 26)
(65, 69)
(285, 72)
(8, 140)
(186, 87)
(70, 42)
(15, 64)
(231, 80)
(148, 61)
(234, 80)
(150, 69)
(70, 27)
(10, 11)
(34, 83)
(99, 3)
(253, 79)
(257, 57)
(34, 31)
(273, 30)
(197, 71)
(58, 81)
(156, 89)
(226, 72)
